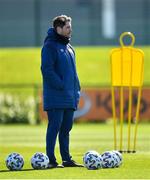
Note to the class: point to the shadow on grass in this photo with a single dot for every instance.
(4, 171)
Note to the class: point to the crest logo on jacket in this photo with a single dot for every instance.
(61, 50)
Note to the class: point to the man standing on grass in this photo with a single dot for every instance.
(61, 89)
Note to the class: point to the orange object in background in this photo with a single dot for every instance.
(96, 105)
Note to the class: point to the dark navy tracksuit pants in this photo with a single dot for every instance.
(60, 123)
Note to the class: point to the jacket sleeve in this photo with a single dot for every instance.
(48, 58)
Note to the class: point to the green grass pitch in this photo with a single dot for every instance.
(22, 65)
(27, 140)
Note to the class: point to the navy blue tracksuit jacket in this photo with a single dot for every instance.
(61, 88)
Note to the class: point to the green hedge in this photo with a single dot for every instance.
(16, 110)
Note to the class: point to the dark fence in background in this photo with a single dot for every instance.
(95, 22)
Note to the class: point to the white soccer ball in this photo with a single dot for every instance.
(118, 157)
(92, 160)
(14, 161)
(109, 160)
(39, 161)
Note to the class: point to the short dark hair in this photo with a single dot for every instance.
(60, 21)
